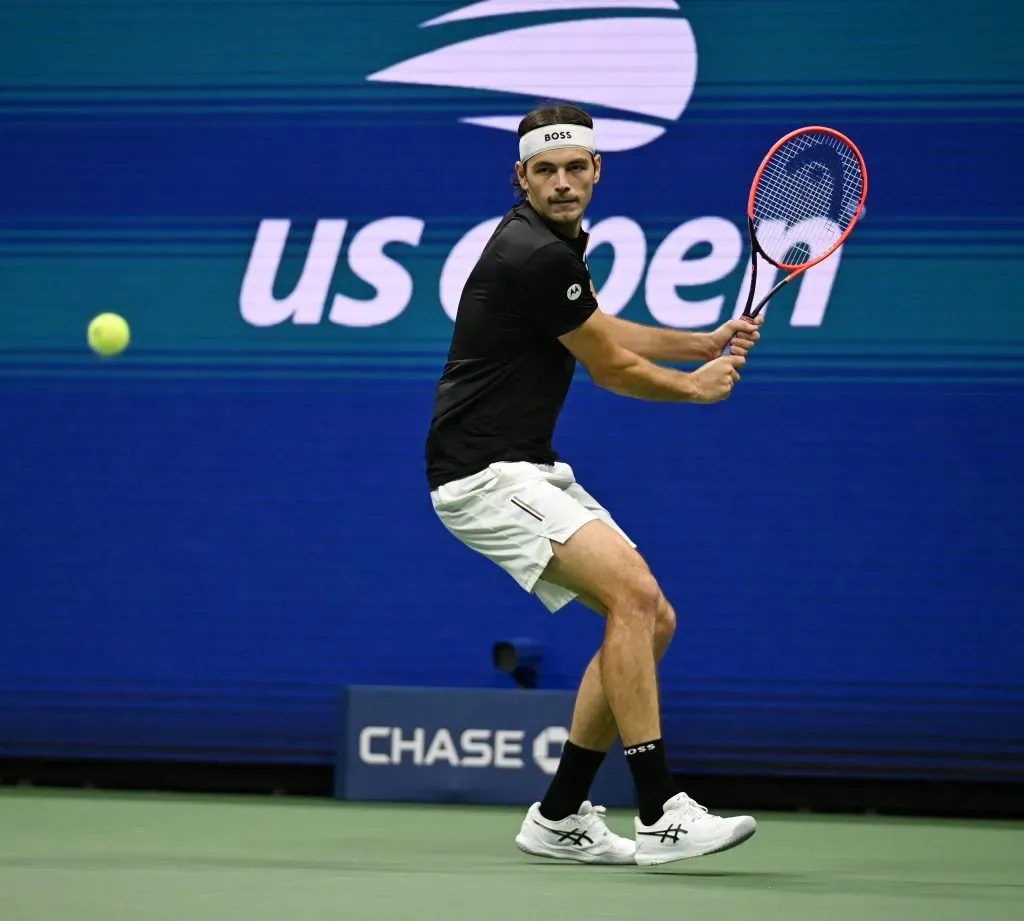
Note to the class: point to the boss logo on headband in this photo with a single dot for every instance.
(558, 136)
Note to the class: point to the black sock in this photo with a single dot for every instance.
(577, 769)
(654, 783)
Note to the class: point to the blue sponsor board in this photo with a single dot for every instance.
(460, 745)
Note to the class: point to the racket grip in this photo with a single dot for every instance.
(744, 316)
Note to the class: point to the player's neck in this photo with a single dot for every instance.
(568, 231)
(572, 230)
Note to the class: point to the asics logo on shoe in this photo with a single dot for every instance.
(671, 833)
(572, 836)
(648, 63)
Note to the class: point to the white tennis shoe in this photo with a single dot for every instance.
(583, 837)
(687, 829)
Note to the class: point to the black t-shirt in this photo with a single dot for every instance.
(507, 375)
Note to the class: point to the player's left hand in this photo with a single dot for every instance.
(740, 335)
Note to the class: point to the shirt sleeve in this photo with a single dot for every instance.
(556, 285)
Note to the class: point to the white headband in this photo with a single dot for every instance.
(552, 137)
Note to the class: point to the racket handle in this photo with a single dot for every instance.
(727, 350)
(743, 316)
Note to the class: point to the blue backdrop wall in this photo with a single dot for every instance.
(206, 537)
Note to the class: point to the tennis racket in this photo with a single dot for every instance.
(806, 197)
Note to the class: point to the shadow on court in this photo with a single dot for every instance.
(898, 882)
(910, 880)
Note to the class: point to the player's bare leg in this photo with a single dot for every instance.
(593, 723)
(565, 814)
(591, 732)
(565, 824)
(611, 577)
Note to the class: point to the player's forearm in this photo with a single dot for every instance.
(656, 343)
(638, 378)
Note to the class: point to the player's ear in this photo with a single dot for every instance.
(597, 167)
(521, 173)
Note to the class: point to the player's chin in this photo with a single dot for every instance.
(565, 212)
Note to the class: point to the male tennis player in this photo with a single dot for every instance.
(527, 313)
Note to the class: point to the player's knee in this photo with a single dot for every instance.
(638, 600)
(664, 627)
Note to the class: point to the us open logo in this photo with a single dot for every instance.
(645, 53)
(648, 63)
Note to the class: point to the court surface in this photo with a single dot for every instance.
(111, 857)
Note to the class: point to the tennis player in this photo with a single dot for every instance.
(527, 314)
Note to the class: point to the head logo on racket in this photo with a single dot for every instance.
(805, 200)
(806, 197)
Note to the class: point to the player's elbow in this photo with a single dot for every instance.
(606, 362)
(605, 378)
(613, 374)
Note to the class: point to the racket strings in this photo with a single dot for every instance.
(806, 197)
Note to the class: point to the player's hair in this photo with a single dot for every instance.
(551, 113)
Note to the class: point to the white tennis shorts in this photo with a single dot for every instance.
(512, 511)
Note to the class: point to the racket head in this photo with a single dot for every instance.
(806, 197)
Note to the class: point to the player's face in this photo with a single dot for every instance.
(560, 183)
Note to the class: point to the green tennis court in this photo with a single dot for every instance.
(113, 857)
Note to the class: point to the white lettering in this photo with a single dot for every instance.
(366, 738)
(442, 748)
(670, 269)
(629, 256)
(368, 261)
(414, 745)
(508, 748)
(305, 305)
(475, 745)
(460, 262)
(640, 748)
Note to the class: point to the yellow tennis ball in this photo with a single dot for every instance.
(108, 334)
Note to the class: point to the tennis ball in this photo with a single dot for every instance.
(108, 334)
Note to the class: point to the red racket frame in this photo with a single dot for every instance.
(755, 248)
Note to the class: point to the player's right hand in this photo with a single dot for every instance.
(715, 380)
